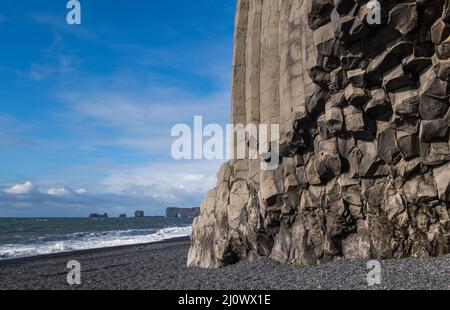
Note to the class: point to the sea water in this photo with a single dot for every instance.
(21, 237)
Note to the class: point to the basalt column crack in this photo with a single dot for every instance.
(363, 110)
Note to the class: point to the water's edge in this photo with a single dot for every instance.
(34, 237)
(16, 260)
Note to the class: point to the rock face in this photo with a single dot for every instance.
(98, 216)
(139, 214)
(364, 113)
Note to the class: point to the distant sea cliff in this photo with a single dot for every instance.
(182, 212)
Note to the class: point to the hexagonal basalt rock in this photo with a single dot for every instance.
(404, 17)
(432, 131)
(364, 122)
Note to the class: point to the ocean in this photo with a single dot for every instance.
(20, 237)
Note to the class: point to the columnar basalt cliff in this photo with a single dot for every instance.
(364, 113)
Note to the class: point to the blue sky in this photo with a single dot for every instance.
(86, 110)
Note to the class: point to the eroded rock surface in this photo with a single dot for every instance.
(364, 114)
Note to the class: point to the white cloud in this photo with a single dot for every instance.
(194, 177)
(153, 198)
(164, 179)
(20, 189)
(58, 191)
(143, 119)
(62, 65)
(81, 191)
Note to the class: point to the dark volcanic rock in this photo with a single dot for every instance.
(182, 212)
(431, 131)
(162, 266)
(364, 115)
(96, 216)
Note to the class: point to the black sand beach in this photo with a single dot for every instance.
(163, 266)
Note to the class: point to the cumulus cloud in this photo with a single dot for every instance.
(20, 189)
(62, 201)
(119, 120)
(58, 191)
(149, 187)
(163, 179)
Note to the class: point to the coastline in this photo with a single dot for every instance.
(162, 266)
(86, 251)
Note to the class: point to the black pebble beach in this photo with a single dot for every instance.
(162, 266)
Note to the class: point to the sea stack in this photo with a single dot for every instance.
(182, 212)
(139, 214)
(363, 110)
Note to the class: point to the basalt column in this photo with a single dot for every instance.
(362, 100)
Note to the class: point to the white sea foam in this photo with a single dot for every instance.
(85, 241)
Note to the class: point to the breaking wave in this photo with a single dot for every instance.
(85, 241)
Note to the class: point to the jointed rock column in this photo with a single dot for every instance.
(364, 115)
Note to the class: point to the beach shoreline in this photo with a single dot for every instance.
(16, 260)
(162, 266)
